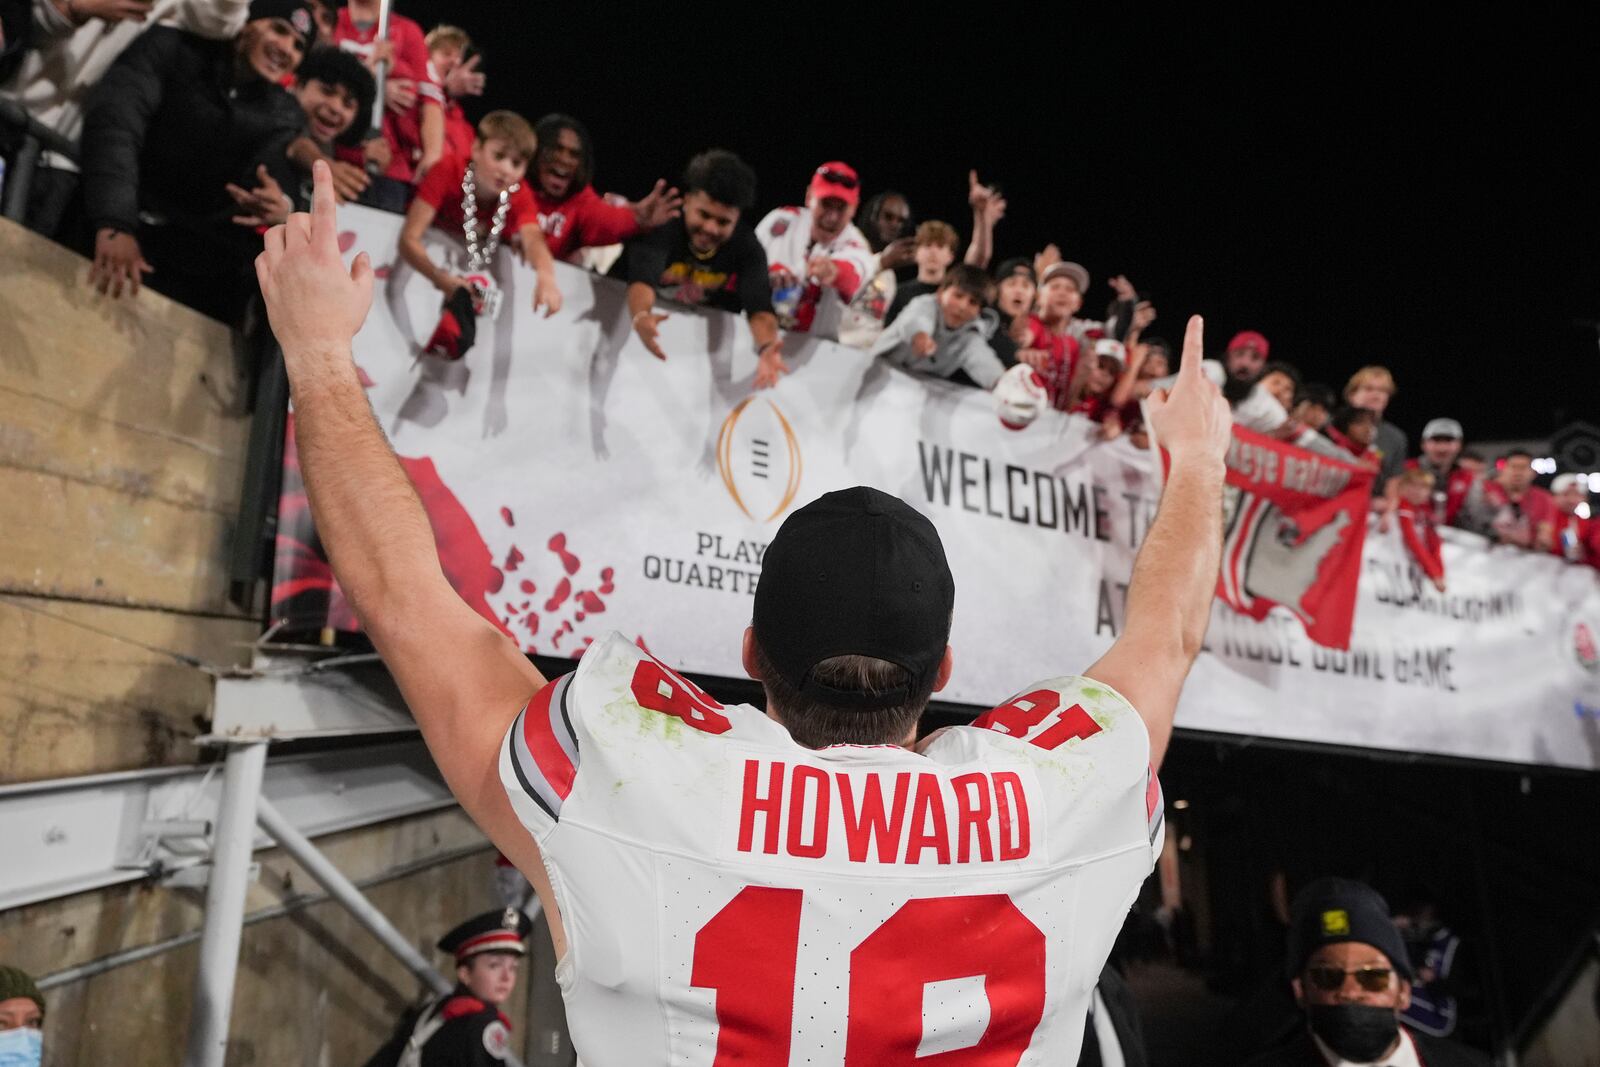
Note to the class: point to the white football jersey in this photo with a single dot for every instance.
(785, 234)
(730, 897)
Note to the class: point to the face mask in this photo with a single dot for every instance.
(21, 1048)
(1358, 1032)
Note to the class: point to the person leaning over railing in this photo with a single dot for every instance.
(707, 257)
(73, 43)
(336, 92)
(945, 334)
(172, 123)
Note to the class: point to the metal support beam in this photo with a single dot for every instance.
(72, 835)
(345, 892)
(342, 890)
(225, 896)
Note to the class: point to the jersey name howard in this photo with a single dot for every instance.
(901, 817)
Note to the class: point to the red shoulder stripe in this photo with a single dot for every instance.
(539, 734)
(456, 1007)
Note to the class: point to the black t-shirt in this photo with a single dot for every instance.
(903, 295)
(1001, 341)
(733, 278)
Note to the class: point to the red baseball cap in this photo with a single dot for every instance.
(836, 179)
(1251, 338)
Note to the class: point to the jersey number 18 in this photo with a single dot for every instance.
(747, 953)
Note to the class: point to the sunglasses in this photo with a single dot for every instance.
(1371, 979)
(837, 177)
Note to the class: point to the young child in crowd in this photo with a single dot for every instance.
(447, 52)
(1052, 350)
(935, 251)
(1417, 529)
(1354, 430)
(1100, 379)
(946, 334)
(490, 180)
(1313, 406)
(1566, 533)
(334, 90)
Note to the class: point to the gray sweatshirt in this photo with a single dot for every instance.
(964, 349)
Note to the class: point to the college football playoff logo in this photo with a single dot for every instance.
(758, 456)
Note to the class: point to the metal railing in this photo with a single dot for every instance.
(35, 139)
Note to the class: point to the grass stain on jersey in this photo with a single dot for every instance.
(626, 711)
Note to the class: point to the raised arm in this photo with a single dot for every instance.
(464, 680)
(988, 208)
(1175, 574)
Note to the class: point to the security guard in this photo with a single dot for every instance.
(466, 1027)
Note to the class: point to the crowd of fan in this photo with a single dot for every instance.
(270, 87)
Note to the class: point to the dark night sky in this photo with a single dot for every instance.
(1419, 195)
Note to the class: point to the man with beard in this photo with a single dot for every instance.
(816, 258)
(705, 258)
(1458, 498)
(574, 216)
(1246, 355)
(1350, 973)
(884, 221)
(173, 122)
(1517, 507)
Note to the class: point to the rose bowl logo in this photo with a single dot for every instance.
(758, 456)
(1584, 648)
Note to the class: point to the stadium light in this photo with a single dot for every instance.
(1544, 465)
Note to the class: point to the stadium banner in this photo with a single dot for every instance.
(579, 485)
(1293, 526)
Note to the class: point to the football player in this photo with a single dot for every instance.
(805, 884)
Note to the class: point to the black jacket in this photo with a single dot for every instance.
(474, 1034)
(16, 34)
(168, 127)
(1299, 1051)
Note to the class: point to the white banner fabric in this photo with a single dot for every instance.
(652, 488)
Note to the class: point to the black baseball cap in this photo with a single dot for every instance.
(296, 13)
(1331, 910)
(1014, 265)
(855, 572)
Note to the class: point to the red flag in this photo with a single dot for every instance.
(1293, 526)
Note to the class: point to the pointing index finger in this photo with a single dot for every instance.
(324, 206)
(1193, 348)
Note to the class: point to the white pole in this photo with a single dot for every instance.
(346, 893)
(342, 890)
(381, 75)
(225, 897)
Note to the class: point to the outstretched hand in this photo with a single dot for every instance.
(1191, 419)
(659, 207)
(315, 304)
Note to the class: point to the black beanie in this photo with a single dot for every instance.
(296, 13)
(1331, 910)
(15, 983)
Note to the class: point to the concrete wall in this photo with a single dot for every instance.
(122, 447)
(313, 989)
(122, 443)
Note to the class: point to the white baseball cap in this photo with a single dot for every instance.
(1563, 482)
(1442, 428)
